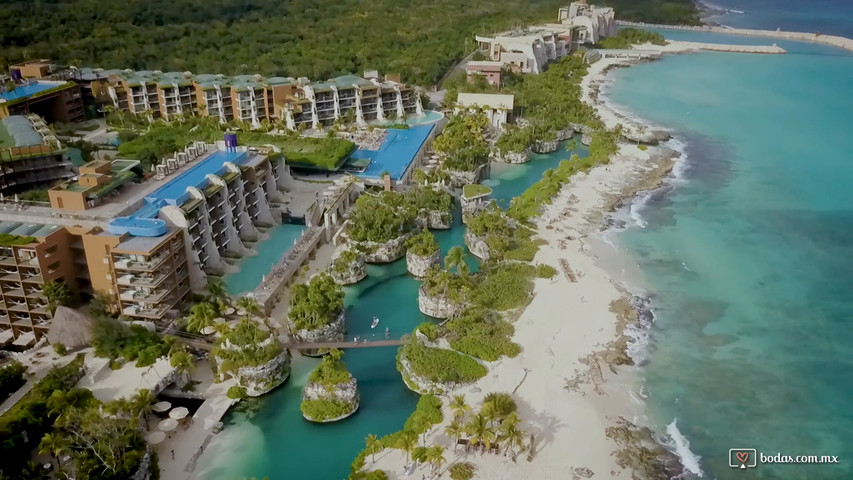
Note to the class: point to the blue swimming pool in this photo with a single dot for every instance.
(430, 116)
(24, 91)
(396, 153)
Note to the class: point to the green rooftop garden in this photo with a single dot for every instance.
(8, 240)
(475, 190)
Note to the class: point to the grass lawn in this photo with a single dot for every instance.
(321, 153)
(474, 190)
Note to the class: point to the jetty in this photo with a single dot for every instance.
(833, 40)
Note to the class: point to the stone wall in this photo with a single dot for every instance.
(386, 252)
(477, 246)
(437, 306)
(418, 265)
(513, 157)
(333, 332)
(343, 392)
(545, 146)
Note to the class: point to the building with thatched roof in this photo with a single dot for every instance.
(71, 328)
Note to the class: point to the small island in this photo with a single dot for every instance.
(253, 356)
(422, 252)
(317, 311)
(514, 145)
(464, 148)
(348, 268)
(331, 393)
(380, 225)
(442, 293)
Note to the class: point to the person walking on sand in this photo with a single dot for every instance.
(173, 454)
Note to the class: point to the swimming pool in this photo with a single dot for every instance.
(396, 153)
(29, 90)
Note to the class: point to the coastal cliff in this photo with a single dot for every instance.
(477, 246)
(384, 252)
(418, 265)
(348, 268)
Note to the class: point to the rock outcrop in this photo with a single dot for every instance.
(418, 265)
(586, 139)
(386, 252)
(437, 306)
(545, 146)
(345, 393)
(420, 384)
(477, 246)
(565, 134)
(458, 178)
(513, 157)
(263, 378)
(348, 273)
(332, 332)
(579, 127)
(437, 219)
(649, 137)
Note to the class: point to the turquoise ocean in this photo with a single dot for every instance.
(748, 252)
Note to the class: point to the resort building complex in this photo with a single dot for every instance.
(489, 70)
(35, 87)
(30, 156)
(529, 50)
(497, 107)
(298, 103)
(593, 23)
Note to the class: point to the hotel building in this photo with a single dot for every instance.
(528, 50)
(298, 103)
(30, 156)
(593, 23)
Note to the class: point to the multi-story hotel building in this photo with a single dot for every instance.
(298, 103)
(593, 23)
(528, 50)
(30, 156)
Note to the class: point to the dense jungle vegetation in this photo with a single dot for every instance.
(419, 39)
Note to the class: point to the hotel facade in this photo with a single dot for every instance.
(252, 99)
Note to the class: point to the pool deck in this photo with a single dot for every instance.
(24, 91)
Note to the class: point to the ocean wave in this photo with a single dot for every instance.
(680, 446)
(639, 334)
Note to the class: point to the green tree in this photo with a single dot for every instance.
(57, 294)
(54, 444)
(217, 294)
(510, 435)
(406, 442)
(373, 445)
(315, 304)
(201, 316)
(142, 404)
(456, 259)
(479, 430)
(459, 407)
(571, 146)
(455, 431)
(182, 361)
(436, 457)
(249, 305)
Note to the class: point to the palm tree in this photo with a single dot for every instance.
(182, 361)
(217, 293)
(373, 446)
(455, 431)
(571, 146)
(511, 435)
(54, 444)
(456, 258)
(141, 404)
(436, 456)
(459, 407)
(499, 405)
(406, 443)
(201, 315)
(478, 428)
(249, 305)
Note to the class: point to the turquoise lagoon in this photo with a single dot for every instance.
(269, 252)
(267, 437)
(748, 255)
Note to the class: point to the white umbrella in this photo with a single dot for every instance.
(208, 330)
(155, 437)
(160, 407)
(179, 413)
(168, 424)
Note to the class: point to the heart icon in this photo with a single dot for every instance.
(742, 456)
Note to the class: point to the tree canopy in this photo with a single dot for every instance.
(315, 304)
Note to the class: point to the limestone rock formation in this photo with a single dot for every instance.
(342, 393)
(477, 246)
(418, 265)
(386, 252)
(513, 157)
(545, 146)
(437, 306)
(348, 268)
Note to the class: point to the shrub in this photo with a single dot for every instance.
(504, 286)
(236, 392)
(545, 271)
(642, 148)
(422, 244)
(113, 339)
(11, 379)
(475, 189)
(632, 36)
(515, 139)
(426, 414)
(324, 409)
(344, 261)
(430, 330)
(462, 471)
(481, 334)
(381, 218)
(317, 303)
(60, 348)
(441, 365)
(331, 371)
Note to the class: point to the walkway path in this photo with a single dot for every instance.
(833, 40)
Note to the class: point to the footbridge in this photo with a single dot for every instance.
(204, 343)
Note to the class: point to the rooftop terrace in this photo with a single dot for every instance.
(37, 230)
(30, 90)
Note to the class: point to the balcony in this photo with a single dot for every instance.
(138, 296)
(147, 281)
(135, 265)
(146, 312)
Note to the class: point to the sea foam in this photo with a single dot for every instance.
(679, 445)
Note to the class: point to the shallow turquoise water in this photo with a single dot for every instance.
(748, 257)
(268, 437)
(253, 268)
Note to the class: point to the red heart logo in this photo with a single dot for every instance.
(742, 456)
